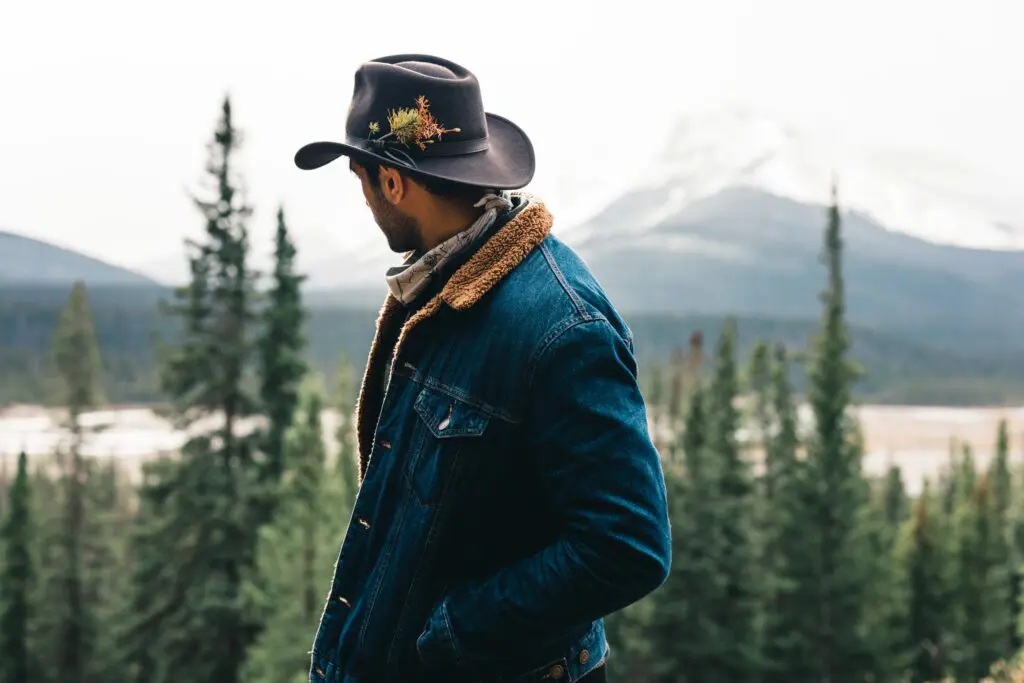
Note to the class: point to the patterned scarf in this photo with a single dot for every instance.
(409, 279)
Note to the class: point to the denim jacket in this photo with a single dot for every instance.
(510, 494)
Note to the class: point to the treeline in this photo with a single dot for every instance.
(802, 568)
(897, 371)
(214, 565)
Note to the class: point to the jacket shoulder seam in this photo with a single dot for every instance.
(577, 302)
(556, 332)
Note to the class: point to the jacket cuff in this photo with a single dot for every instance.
(437, 646)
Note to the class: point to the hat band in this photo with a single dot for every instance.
(437, 149)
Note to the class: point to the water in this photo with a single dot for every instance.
(917, 439)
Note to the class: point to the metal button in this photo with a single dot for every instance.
(364, 523)
(319, 671)
(343, 601)
(556, 672)
(584, 656)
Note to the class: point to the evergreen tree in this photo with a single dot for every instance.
(895, 503)
(109, 499)
(886, 594)
(949, 486)
(297, 551)
(77, 359)
(48, 513)
(196, 541)
(966, 476)
(347, 464)
(999, 473)
(4, 485)
(705, 617)
(631, 634)
(16, 581)
(759, 380)
(982, 587)
(781, 449)
(655, 393)
(787, 624)
(1015, 522)
(924, 561)
(281, 347)
(683, 634)
(837, 573)
(737, 612)
(1005, 556)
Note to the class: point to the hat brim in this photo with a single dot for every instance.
(507, 164)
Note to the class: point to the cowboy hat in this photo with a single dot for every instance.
(425, 115)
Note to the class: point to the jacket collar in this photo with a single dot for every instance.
(498, 256)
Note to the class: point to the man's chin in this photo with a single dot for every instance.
(401, 246)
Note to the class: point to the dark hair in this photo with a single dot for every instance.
(445, 189)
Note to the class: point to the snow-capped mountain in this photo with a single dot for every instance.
(908, 191)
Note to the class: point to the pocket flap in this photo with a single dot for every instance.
(448, 417)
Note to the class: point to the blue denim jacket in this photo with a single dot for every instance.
(510, 494)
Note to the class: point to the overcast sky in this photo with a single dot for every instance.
(106, 105)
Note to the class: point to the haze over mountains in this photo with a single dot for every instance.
(27, 261)
(729, 219)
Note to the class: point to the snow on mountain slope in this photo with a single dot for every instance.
(909, 191)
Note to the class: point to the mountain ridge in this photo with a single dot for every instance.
(28, 260)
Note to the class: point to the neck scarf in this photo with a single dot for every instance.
(408, 280)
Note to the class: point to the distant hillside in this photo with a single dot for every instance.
(746, 251)
(896, 370)
(27, 261)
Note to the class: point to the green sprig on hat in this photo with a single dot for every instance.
(412, 126)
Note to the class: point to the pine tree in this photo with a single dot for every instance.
(949, 486)
(837, 573)
(894, 500)
(966, 476)
(787, 622)
(781, 449)
(1005, 556)
(924, 560)
(197, 537)
(347, 465)
(17, 577)
(982, 585)
(680, 634)
(77, 359)
(48, 513)
(281, 347)
(737, 611)
(999, 473)
(109, 499)
(296, 552)
(655, 393)
(885, 598)
(759, 379)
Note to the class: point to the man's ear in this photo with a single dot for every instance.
(392, 185)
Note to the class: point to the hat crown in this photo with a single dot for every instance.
(396, 82)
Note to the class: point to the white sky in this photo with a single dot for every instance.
(106, 105)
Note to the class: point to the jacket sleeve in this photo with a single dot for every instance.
(588, 427)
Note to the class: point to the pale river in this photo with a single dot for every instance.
(915, 438)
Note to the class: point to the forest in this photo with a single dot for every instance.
(790, 565)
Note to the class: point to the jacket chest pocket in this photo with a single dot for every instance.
(448, 428)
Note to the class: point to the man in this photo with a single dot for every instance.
(510, 495)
